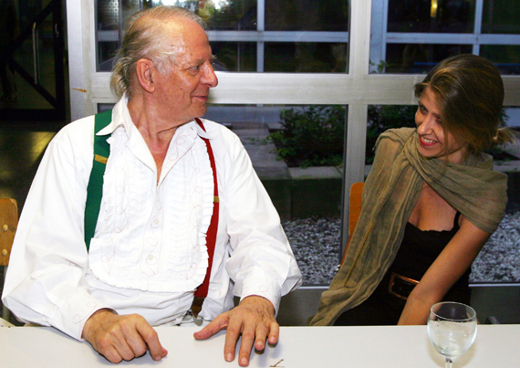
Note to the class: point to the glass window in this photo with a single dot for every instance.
(307, 15)
(249, 35)
(234, 56)
(411, 36)
(505, 57)
(297, 151)
(309, 57)
(419, 58)
(500, 16)
(433, 16)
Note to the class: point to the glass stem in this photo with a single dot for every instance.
(448, 362)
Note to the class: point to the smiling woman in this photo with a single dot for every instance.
(430, 203)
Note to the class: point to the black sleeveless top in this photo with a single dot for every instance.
(418, 251)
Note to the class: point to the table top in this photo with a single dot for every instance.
(496, 346)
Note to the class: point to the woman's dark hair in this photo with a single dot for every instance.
(470, 94)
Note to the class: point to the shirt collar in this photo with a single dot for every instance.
(121, 116)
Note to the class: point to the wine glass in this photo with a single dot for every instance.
(452, 328)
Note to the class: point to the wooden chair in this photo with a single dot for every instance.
(356, 191)
(8, 225)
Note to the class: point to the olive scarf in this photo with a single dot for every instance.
(389, 196)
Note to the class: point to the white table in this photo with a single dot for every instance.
(496, 346)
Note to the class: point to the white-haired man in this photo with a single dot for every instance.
(178, 200)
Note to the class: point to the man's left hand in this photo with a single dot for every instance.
(254, 319)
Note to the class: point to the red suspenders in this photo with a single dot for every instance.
(211, 236)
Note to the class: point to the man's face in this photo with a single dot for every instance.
(183, 91)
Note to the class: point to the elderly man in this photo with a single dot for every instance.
(169, 179)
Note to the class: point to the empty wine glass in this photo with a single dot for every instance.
(452, 328)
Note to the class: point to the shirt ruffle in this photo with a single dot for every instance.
(153, 237)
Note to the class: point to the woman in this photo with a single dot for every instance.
(430, 203)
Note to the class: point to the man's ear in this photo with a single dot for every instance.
(145, 72)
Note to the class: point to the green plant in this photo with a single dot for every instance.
(311, 136)
(383, 117)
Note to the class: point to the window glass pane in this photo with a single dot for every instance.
(230, 14)
(501, 16)
(291, 36)
(307, 15)
(419, 58)
(234, 56)
(383, 117)
(505, 57)
(110, 15)
(450, 16)
(306, 185)
(308, 57)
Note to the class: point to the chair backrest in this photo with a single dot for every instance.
(356, 191)
(354, 205)
(8, 225)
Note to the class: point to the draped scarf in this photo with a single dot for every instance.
(389, 196)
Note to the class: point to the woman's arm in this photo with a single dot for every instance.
(449, 266)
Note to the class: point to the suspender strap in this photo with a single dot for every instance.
(211, 236)
(95, 183)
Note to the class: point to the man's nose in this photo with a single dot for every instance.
(210, 78)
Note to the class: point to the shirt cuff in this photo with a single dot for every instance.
(73, 315)
(264, 286)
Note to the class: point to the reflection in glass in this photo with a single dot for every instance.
(308, 57)
(307, 15)
(419, 58)
(505, 57)
(499, 16)
(435, 16)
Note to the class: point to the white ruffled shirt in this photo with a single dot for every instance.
(148, 253)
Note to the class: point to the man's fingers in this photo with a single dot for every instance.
(148, 339)
(232, 335)
(111, 354)
(274, 333)
(122, 337)
(261, 336)
(218, 324)
(246, 345)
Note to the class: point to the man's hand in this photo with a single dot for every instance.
(254, 319)
(122, 337)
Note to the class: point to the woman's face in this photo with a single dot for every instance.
(433, 143)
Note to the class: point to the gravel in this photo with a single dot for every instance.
(316, 242)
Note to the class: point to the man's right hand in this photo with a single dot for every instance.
(122, 337)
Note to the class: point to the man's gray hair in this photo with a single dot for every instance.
(144, 38)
